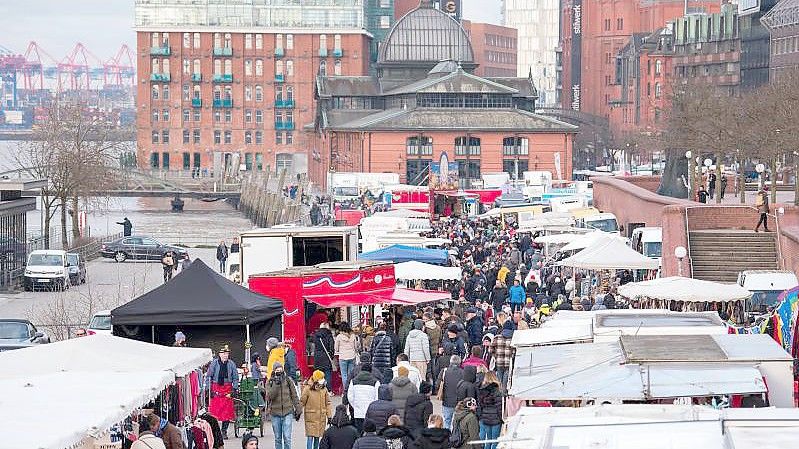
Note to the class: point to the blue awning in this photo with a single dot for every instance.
(403, 253)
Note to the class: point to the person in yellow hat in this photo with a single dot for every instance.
(315, 402)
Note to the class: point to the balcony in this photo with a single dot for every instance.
(284, 104)
(160, 77)
(223, 51)
(160, 51)
(284, 125)
(227, 103)
(337, 52)
(223, 78)
(279, 52)
(323, 52)
(196, 77)
(279, 78)
(196, 102)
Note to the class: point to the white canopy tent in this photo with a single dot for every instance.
(676, 288)
(566, 237)
(610, 254)
(403, 213)
(60, 410)
(104, 353)
(418, 270)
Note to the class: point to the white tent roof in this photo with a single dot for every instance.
(587, 239)
(566, 237)
(578, 332)
(548, 220)
(104, 353)
(418, 270)
(677, 288)
(404, 213)
(608, 254)
(59, 410)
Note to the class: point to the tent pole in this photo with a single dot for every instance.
(152, 328)
(247, 345)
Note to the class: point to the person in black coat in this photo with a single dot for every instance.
(369, 440)
(451, 376)
(499, 296)
(341, 434)
(474, 327)
(418, 408)
(323, 352)
(434, 436)
(383, 354)
(453, 342)
(379, 410)
(489, 407)
(467, 387)
(396, 435)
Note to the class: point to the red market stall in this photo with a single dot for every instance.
(331, 286)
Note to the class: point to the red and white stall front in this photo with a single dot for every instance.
(350, 287)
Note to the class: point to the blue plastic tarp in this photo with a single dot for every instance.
(403, 253)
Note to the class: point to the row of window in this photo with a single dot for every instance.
(252, 161)
(250, 137)
(467, 145)
(501, 57)
(225, 40)
(785, 45)
(251, 92)
(160, 66)
(619, 24)
(495, 40)
(416, 170)
(226, 115)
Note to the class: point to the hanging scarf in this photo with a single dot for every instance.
(221, 376)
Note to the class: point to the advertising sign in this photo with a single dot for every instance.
(444, 174)
(452, 7)
(576, 53)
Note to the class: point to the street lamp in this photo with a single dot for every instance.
(688, 155)
(680, 252)
(760, 168)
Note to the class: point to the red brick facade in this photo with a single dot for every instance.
(495, 49)
(224, 95)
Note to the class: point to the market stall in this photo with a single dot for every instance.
(207, 307)
(418, 270)
(346, 288)
(688, 295)
(403, 253)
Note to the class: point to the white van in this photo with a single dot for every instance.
(47, 268)
(766, 286)
(648, 241)
(605, 222)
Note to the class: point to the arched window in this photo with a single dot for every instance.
(323, 68)
(259, 67)
(658, 66)
(196, 68)
(658, 90)
(155, 92)
(259, 93)
(228, 67)
(337, 67)
(217, 66)
(196, 91)
(227, 40)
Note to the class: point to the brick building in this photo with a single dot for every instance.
(783, 24)
(422, 103)
(223, 85)
(595, 32)
(495, 48)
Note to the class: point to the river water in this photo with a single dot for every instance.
(201, 223)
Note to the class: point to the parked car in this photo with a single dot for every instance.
(765, 286)
(16, 334)
(77, 268)
(100, 323)
(47, 268)
(139, 247)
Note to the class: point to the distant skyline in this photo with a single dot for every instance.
(104, 25)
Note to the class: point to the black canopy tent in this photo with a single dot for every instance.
(205, 306)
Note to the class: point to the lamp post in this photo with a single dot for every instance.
(691, 170)
(760, 168)
(680, 252)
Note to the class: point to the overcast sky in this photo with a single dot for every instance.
(104, 25)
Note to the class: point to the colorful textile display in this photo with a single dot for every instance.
(785, 316)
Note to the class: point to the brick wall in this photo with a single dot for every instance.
(630, 202)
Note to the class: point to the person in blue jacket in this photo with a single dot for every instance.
(517, 296)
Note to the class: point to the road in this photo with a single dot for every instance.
(109, 284)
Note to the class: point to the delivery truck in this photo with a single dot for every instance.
(277, 248)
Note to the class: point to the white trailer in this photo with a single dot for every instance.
(280, 247)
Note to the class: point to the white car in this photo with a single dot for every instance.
(100, 323)
(47, 269)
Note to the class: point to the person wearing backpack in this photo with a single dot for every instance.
(434, 436)
(465, 427)
(489, 411)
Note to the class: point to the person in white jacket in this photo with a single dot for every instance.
(362, 392)
(414, 374)
(417, 348)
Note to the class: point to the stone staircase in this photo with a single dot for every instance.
(719, 255)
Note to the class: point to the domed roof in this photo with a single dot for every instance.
(426, 35)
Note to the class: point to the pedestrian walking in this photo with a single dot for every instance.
(711, 184)
(378, 411)
(222, 380)
(489, 409)
(323, 344)
(347, 346)
(761, 202)
(517, 295)
(284, 405)
(167, 431)
(701, 194)
(168, 264)
(723, 184)
(453, 343)
(221, 256)
(414, 374)
(466, 422)
(474, 326)
(127, 227)
(401, 389)
(249, 441)
(448, 382)
(417, 348)
(434, 436)
(255, 368)
(341, 434)
(383, 352)
(362, 391)
(467, 387)
(147, 438)
(418, 408)
(315, 402)
(370, 440)
(396, 435)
